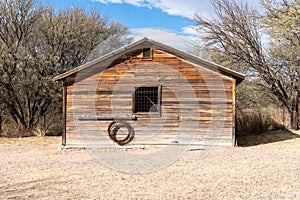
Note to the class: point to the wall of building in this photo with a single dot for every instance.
(196, 103)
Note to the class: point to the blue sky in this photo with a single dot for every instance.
(163, 20)
(131, 14)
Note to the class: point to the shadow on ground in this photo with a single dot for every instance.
(267, 137)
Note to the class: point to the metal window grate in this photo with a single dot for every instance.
(146, 99)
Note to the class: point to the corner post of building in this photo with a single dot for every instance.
(64, 112)
(234, 142)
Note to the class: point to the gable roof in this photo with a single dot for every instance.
(148, 43)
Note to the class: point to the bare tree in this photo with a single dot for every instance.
(36, 44)
(234, 37)
(282, 23)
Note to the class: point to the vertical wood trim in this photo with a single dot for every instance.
(298, 109)
(133, 101)
(233, 111)
(64, 114)
(159, 100)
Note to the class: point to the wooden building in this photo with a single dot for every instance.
(149, 93)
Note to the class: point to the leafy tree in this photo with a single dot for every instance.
(36, 44)
(235, 38)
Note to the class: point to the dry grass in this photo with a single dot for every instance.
(33, 141)
(251, 122)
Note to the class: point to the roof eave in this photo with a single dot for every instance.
(97, 60)
(238, 76)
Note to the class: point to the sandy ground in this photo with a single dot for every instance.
(37, 168)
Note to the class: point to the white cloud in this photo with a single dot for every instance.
(190, 30)
(109, 1)
(186, 43)
(168, 37)
(138, 3)
(184, 8)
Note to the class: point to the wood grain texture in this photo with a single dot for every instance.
(196, 103)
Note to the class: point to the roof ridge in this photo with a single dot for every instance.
(159, 45)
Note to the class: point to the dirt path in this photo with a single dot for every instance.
(37, 168)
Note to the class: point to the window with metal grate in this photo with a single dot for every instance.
(146, 99)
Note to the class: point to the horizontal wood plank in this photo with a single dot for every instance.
(196, 102)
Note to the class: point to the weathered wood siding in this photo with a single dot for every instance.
(196, 102)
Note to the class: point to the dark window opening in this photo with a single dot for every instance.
(147, 99)
(147, 53)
